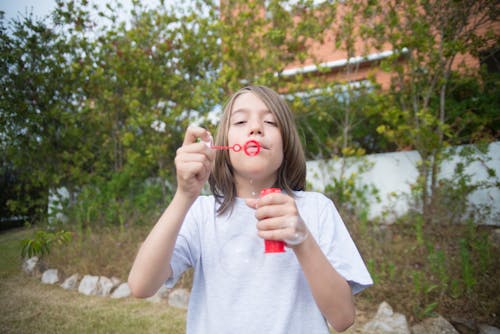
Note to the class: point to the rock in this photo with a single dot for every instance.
(71, 283)
(89, 285)
(464, 326)
(122, 291)
(387, 322)
(105, 286)
(116, 281)
(487, 329)
(30, 265)
(160, 295)
(34, 266)
(179, 298)
(50, 276)
(437, 325)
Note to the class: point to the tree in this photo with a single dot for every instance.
(36, 133)
(435, 38)
(260, 40)
(103, 107)
(141, 85)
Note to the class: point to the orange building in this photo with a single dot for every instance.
(337, 65)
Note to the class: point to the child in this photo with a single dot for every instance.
(236, 287)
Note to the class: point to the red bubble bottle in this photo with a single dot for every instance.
(272, 246)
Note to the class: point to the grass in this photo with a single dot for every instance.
(10, 261)
(450, 270)
(30, 306)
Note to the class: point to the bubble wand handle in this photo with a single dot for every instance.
(235, 147)
(272, 246)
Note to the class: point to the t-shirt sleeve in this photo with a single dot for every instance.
(187, 246)
(336, 242)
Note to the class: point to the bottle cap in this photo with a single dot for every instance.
(272, 246)
(266, 191)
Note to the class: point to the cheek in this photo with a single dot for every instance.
(234, 158)
(279, 154)
(279, 159)
(231, 158)
(278, 148)
(232, 137)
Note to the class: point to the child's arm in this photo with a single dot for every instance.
(151, 267)
(331, 291)
(279, 219)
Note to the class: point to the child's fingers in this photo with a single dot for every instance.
(279, 219)
(273, 198)
(251, 202)
(290, 229)
(269, 224)
(277, 228)
(275, 210)
(195, 132)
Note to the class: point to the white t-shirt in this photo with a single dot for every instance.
(237, 288)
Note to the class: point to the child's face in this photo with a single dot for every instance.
(251, 120)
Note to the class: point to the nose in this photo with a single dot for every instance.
(255, 128)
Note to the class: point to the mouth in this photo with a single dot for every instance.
(252, 147)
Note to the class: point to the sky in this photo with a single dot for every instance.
(14, 8)
(41, 8)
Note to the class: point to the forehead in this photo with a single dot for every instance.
(248, 102)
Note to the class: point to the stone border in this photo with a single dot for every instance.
(91, 285)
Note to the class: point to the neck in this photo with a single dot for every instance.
(250, 188)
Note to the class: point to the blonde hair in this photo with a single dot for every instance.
(292, 172)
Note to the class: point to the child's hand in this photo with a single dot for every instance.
(279, 219)
(193, 161)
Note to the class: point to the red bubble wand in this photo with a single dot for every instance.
(251, 147)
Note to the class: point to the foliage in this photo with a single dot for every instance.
(345, 189)
(42, 242)
(469, 170)
(35, 131)
(446, 269)
(428, 38)
(88, 97)
(334, 120)
(103, 103)
(142, 86)
(260, 40)
(19, 200)
(120, 201)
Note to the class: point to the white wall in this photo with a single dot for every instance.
(394, 173)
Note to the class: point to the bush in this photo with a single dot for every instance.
(427, 269)
(42, 242)
(120, 201)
